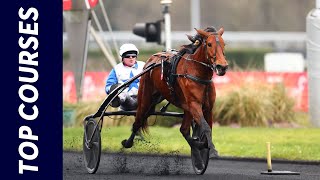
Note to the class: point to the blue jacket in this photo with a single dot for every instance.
(121, 73)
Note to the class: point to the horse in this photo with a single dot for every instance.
(193, 89)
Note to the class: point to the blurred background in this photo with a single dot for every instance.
(266, 49)
(234, 15)
(265, 25)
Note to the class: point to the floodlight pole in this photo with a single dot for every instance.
(77, 21)
(167, 22)
(195, 14)
(313, 63)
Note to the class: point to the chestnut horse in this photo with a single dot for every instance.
(193, 90)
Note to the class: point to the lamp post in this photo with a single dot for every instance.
(167, 22)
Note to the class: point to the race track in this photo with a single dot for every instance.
(127, 166)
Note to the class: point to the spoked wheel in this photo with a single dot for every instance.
(200, 157)
(91, 148)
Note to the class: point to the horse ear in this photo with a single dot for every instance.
(203, 33)
(191, 38)
(221, 31)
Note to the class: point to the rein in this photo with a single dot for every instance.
(210, 66)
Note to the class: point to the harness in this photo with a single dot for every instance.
(169, 63)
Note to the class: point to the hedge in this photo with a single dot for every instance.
(248, 59)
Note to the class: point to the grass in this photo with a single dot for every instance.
(290, 144)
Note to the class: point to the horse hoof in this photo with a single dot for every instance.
(213, 153)
(125, 144)
(199, 164)
(198, 161)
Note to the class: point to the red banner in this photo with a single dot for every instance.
(295, 83)
(93, 3)
(93, 86)
(67, 5)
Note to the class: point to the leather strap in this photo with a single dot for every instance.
(194, 78)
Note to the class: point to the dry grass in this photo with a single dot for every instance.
(249, 105)
(255, 105)
(84, 109)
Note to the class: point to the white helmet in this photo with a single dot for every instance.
(128, 47)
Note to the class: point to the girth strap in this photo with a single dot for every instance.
(194, 78)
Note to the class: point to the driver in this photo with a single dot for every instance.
(121, 73)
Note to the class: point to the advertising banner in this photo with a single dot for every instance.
(296, 85)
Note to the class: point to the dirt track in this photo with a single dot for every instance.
(127, 166)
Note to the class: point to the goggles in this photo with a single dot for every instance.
(130, 55)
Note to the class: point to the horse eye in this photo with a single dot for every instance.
(209, 44)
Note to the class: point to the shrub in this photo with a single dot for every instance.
(283, 105)
(249, 105)
(68, 114)
(254, 105)
(68, 106)
(242, 58)
(245, 106)
(84, 109)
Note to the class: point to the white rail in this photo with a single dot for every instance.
(232, 38)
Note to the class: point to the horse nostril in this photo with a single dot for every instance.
(221, 67)
(221, 70)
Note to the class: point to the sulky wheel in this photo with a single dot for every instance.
(91, 146)
(199, 157)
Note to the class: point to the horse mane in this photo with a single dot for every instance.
(192, 47)
(208, 29)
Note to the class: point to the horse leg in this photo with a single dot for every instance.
(139, 121)
(193, 142)
(128, 143)
(141, 114)
(185, 131)
(208, 114)
(146, 105)
(185, 127)
(209, 119)
(204, 128)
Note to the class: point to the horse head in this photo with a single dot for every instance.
(214, 45)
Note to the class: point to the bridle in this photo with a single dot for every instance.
(215, 51)
(209, 65)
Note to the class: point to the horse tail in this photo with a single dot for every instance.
(145, 96)
(144, 127)
(143, 91)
